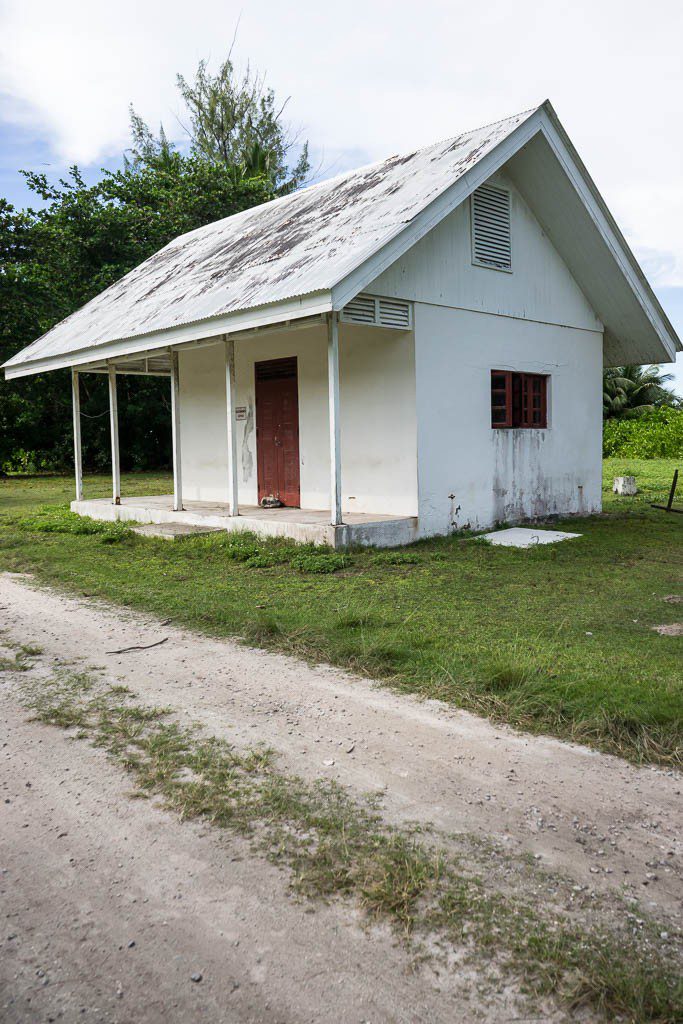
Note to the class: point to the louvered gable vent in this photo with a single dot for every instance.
(491, 242)
(361, 310)
(366, 309)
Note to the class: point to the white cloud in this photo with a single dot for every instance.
(371, 78)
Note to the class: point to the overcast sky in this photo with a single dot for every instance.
(368, 79)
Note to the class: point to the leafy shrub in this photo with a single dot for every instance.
(264, 553)
(58, 519)
(395, 558)
(265, 560)
(319, 563)
(657, 434)
(238, 547)
(21, 461)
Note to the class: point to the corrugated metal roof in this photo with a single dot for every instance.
(303, 243)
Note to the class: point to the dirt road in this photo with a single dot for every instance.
(110, 906)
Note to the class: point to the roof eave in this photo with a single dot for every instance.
(184, 334)
(628, 262)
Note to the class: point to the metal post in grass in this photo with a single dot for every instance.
(114, 424)
(230, 398)
(335, 426)
(175, 435)
(78, 461)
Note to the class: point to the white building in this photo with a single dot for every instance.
(401, 351)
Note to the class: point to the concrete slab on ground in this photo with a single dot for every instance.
(172, 531)
(522, 537)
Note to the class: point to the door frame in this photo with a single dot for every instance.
(268, 371)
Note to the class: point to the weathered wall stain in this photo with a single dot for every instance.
(522, 486)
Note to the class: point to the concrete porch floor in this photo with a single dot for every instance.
(301, 525)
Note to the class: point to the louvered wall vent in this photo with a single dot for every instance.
(366, 309)
(491, 242)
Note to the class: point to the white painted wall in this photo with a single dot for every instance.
(203, 433)
(378, 422)
(415, 412)
(503, 475)
(470, 320)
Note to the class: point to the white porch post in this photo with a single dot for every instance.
(335, 433)
(230, 396)
(114, 423)
(175, 435)
(78, 461)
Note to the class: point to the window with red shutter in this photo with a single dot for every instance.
(501, 398)
(519, 400)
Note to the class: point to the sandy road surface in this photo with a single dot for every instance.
(86, 871)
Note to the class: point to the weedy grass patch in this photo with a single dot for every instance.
(335, 845)
(554, 639)
(59, 519)
(20, 656)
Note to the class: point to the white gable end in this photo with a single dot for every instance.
(441, 270)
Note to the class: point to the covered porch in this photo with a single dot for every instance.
(305, 526)
(285, 416)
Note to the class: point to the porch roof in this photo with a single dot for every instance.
(312, 251)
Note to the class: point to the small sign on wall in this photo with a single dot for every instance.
(240, 412)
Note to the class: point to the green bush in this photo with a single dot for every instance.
(319, 563)
(396, 558)
(256, 552)
(657, 434)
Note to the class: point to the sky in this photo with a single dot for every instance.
(365, 80)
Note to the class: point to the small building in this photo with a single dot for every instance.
(402, 351)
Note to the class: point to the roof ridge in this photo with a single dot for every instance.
(400, 154)
(481, 127)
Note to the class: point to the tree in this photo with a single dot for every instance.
(630, 390)
(55, 259)
(233, 120)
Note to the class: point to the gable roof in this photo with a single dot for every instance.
(313, 250)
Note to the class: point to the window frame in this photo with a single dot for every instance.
(525, 400)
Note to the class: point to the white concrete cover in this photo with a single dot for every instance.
(521, 537)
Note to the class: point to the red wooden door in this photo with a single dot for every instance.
(277, 431)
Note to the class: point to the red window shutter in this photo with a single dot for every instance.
(534, 387)
(544, 402)
(501, 398)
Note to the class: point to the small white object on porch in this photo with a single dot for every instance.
(175, 434)
(78, 459)
(335, 430)
(231, 396)
(114, 424)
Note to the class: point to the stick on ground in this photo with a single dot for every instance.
(143, 647)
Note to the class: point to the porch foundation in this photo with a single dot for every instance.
(304, 526)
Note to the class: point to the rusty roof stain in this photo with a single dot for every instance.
(303, 243)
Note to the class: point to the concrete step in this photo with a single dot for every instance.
(172, 531)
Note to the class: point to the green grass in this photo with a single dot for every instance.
(336, 845)
(555, 639)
